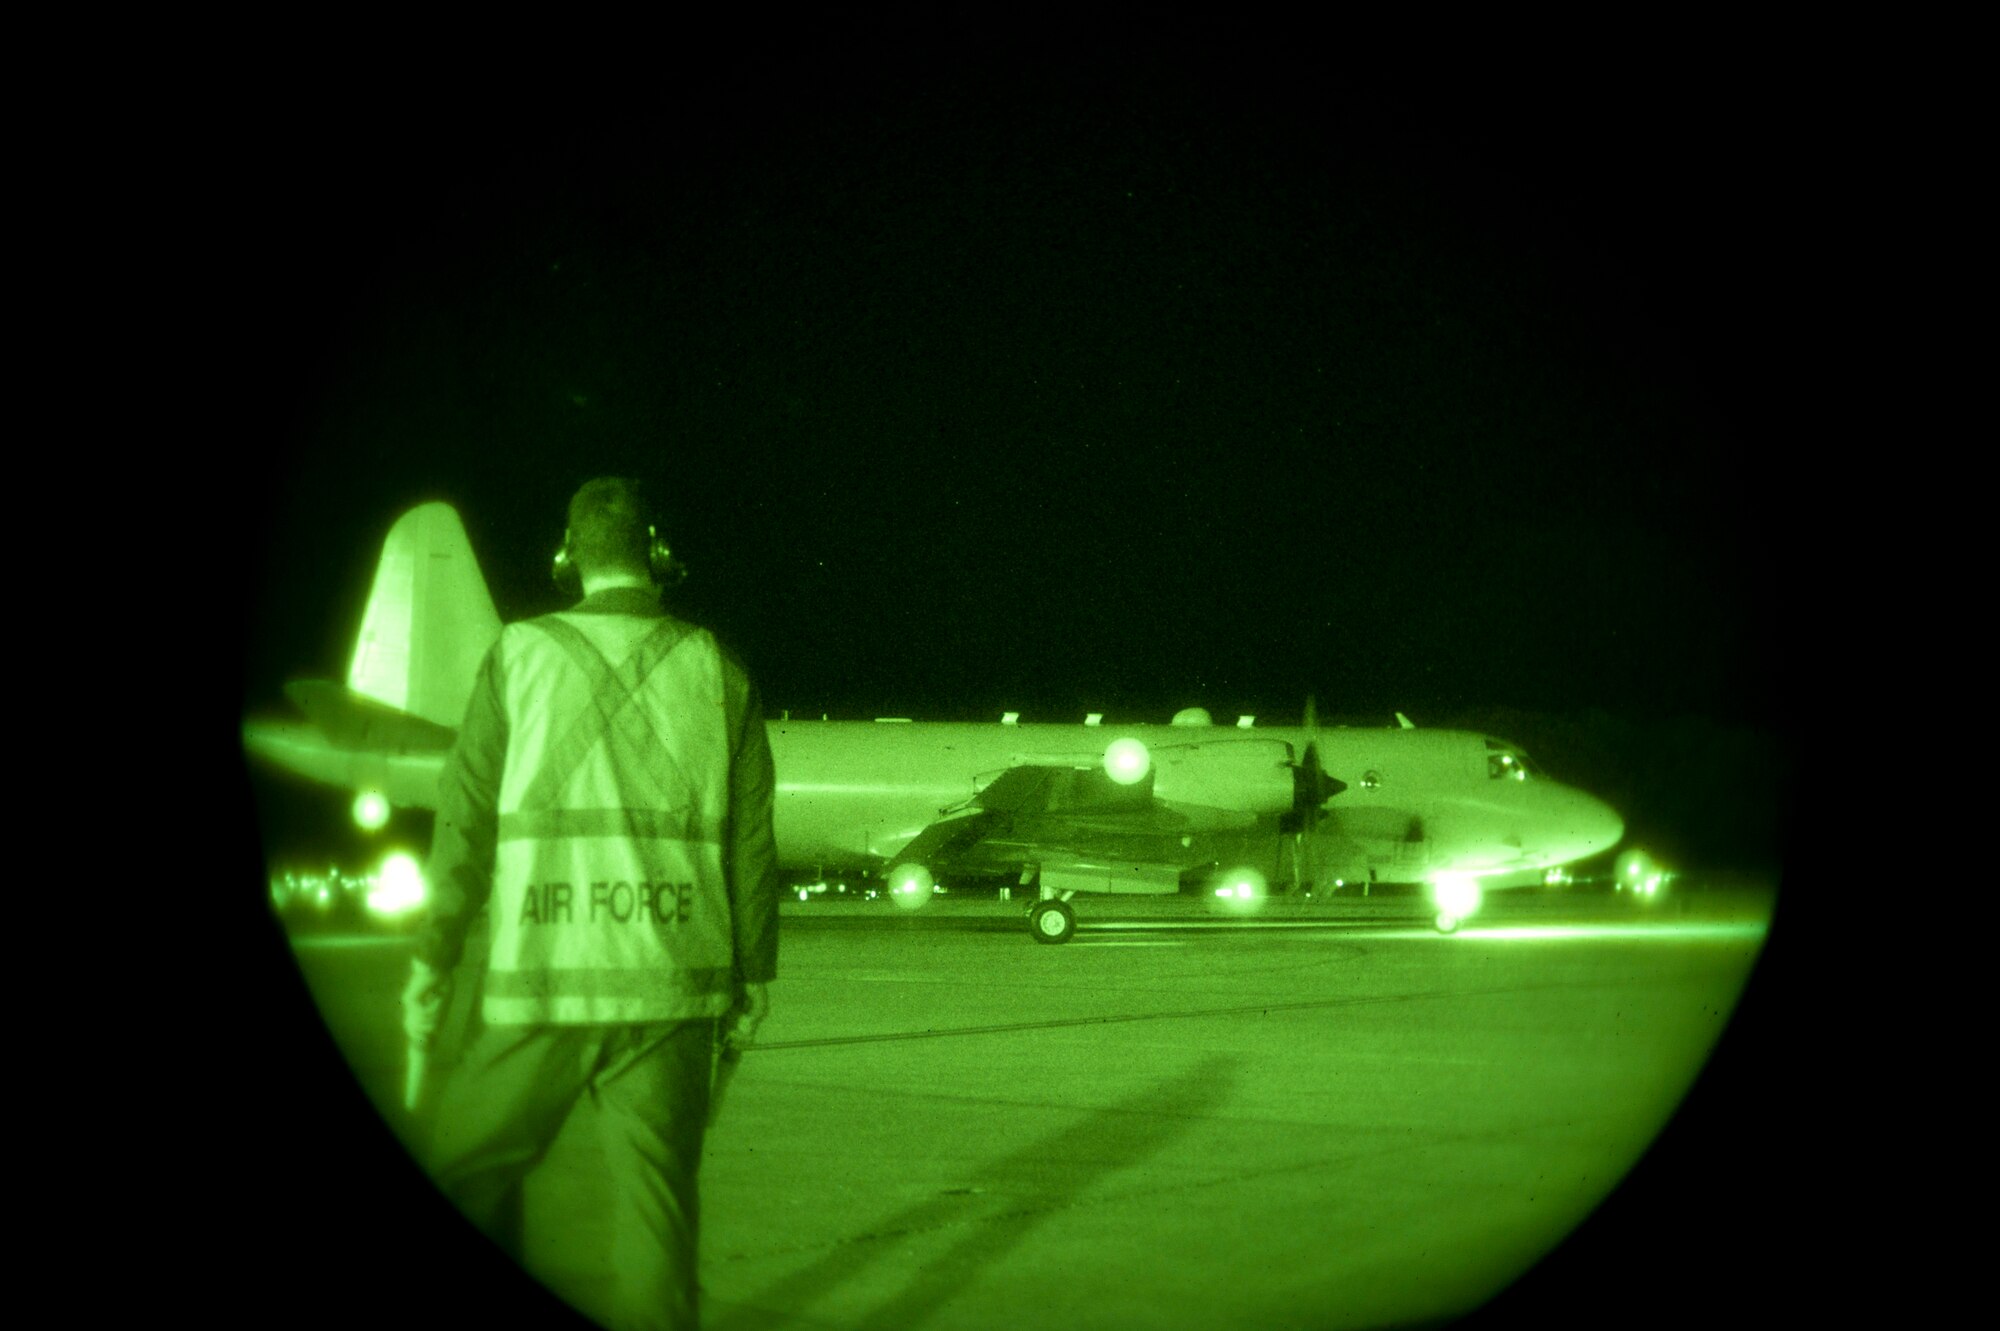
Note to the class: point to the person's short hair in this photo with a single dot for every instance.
(610, 526)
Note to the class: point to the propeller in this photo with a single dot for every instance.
(1311, 788)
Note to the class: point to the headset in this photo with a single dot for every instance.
(667, 571)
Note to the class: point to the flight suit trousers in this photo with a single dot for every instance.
(502, 1106)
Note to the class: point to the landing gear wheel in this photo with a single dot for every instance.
(1052, 922)
(1447, 924)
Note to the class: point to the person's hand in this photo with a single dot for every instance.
(752, 1006)
(424, 999)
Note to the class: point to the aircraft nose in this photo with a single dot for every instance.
(1599, 823)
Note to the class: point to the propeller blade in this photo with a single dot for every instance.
(1312, 786)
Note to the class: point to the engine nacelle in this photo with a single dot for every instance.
(1246, 776)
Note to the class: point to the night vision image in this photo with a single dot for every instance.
(1137, 694)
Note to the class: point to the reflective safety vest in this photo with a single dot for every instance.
(609, 903)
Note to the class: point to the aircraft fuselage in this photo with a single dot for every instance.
(1417, 801)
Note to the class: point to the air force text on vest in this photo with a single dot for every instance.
(621, 902)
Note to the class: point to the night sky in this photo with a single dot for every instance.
(1093, 387)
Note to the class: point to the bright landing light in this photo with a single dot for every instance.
(911, 885)
(1126, 761)
(1456, 894)
(397, 887)
(371, 810)
(1242, 887)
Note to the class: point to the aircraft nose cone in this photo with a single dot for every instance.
(1602, 827)
(1582, 824)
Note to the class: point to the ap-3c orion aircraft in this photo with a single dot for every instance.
(1069, 809)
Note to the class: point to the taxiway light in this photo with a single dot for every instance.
(1456, 894)
(398, 886)
(371, 810)
(1127, 761)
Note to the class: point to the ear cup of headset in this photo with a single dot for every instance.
(666, 570)
(563, 569)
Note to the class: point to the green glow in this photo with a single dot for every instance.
(911, 885)
(371, 810)
(397, 887)
(1242, 888)
(1126, 761)
(1456, 894)
(1712, 931)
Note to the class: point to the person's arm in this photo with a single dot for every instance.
(750, 854)
(460, 872)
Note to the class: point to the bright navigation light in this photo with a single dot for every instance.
(1456, 894)
(911, 885)
(371, 810)
(398, 887)
(1242, 886)
(1127, 761)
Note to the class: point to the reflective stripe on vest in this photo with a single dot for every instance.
(609, 902)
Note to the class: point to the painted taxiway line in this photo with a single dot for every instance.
(1643, 932)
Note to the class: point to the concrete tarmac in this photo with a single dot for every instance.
(1311, 1116)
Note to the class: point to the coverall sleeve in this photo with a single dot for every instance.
(751, 865)
(460, 872)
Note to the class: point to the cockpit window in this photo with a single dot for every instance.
(1504, 761)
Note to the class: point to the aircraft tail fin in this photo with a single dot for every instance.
(429, 620)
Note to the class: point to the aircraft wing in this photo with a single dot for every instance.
(1071, 813)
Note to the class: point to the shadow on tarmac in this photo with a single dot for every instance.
(1096, 1143)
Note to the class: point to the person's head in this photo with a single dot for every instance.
(610, 529)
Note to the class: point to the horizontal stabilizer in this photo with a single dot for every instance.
(351, 721)
(407, 780)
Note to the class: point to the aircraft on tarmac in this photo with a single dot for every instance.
(1068, 809)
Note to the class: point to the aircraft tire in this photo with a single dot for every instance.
(1447, 924)
(1052, 922)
